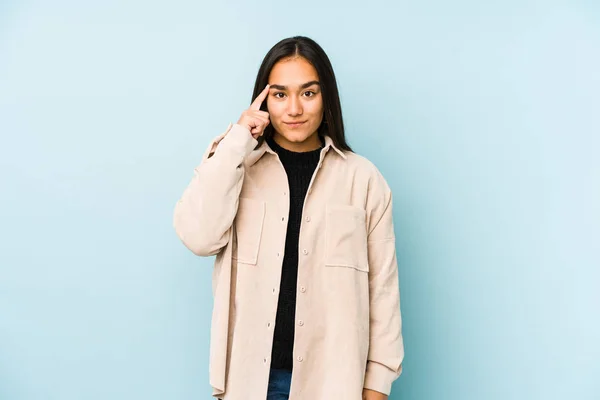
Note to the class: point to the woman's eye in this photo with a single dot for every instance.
(280, 95)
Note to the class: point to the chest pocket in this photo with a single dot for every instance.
(248, 225)
(346, 237)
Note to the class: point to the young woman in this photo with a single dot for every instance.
(305, 283)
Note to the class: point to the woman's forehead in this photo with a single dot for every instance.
(293, 73)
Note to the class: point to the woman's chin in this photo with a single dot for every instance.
(295, 136)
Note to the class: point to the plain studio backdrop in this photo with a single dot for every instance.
(484, 117)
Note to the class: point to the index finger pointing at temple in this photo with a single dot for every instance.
(259, 100)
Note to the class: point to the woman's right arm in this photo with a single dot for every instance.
(207, 208)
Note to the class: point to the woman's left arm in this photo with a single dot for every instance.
(386, 348)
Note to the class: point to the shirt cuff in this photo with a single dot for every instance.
(236, 137)
(240, 139)
(380, 378)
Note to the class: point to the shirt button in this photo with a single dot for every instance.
(282, 219)
(268, 324)
(278, 254)
(299, 359)
(273, 290)
(309, 191)
(305, 251)
(301, 323)
(307, 219)
(302, 289)
(264, 360)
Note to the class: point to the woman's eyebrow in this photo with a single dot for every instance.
(303, 86)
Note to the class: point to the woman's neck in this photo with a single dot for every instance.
(313, 142)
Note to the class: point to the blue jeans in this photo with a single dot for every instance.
(279, 384)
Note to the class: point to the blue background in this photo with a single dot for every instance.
(483, 116)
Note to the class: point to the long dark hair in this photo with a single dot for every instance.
(301, 46)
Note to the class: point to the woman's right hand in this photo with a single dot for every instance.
(253, 118)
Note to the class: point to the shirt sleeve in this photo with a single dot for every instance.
(206, 210)
(386, 348)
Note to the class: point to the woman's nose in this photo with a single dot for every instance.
(294, 107)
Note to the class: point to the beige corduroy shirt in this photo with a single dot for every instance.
(348, 324)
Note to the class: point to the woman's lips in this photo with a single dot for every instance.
(294, 124)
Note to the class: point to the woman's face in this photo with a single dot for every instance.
(295, 97)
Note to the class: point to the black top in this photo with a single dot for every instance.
(300, 168)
